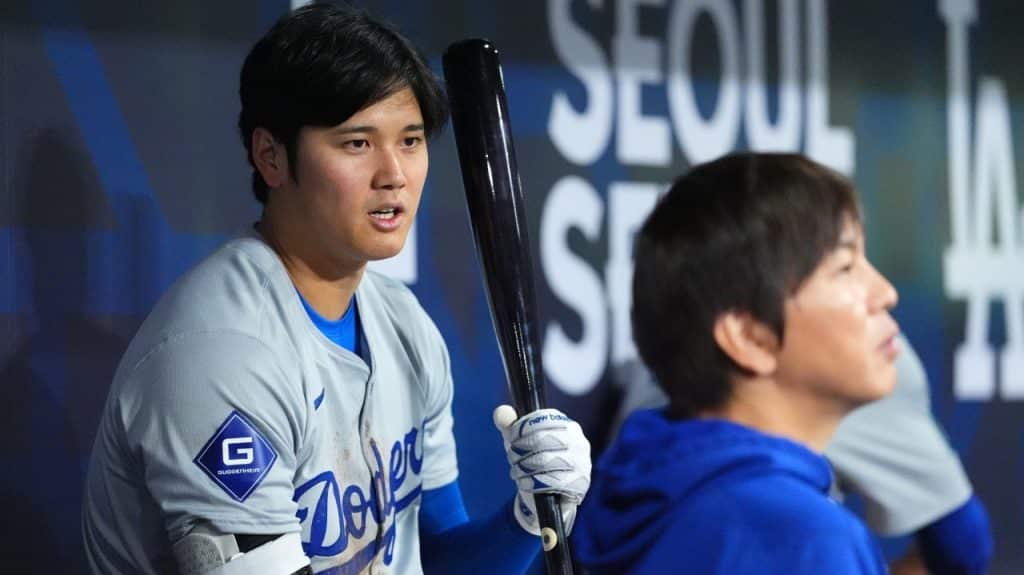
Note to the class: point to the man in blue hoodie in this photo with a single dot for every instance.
(763, 321)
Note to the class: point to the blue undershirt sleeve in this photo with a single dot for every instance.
(958, 543)
(450, 543)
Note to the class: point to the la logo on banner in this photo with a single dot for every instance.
(985, 261)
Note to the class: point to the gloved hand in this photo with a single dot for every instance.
(548, 453)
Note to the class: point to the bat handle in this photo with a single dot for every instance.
(557, 558)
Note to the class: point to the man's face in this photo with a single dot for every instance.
(357, 185)
(840, 341)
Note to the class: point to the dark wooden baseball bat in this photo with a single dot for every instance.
(497, 213)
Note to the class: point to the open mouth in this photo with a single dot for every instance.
(385, 213)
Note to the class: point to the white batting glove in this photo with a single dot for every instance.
(548, 453)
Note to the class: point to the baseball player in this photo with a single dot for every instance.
(283, 409)
(891, 453)
(763, 321)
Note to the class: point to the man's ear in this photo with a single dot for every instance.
(269, 157)
(748, 341)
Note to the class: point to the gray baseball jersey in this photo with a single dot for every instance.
(890, 452)
(230, 407)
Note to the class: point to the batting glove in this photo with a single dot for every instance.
(548, 453)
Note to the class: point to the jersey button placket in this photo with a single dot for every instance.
(368, 443)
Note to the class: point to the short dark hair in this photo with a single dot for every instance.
(321, 64)
(741, 233)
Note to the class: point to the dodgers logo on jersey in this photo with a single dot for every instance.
(331, 514)
(237, 457)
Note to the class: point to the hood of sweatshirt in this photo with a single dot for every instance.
(656, 463)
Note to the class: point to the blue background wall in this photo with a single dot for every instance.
(121, 168)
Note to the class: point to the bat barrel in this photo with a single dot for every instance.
(497, 210)
(497, 213)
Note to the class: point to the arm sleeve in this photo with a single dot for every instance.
(959, 543)
(215, 425)
(893, 454)
(452, 544)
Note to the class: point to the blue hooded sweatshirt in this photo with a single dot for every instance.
(714, 497)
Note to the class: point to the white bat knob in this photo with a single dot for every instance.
(548, 538)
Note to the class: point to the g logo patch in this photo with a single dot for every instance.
(237, 457)
(245, 453)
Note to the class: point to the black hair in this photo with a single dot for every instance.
(741, 233)
(319, 65)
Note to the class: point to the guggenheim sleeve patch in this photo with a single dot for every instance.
(237, 457)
